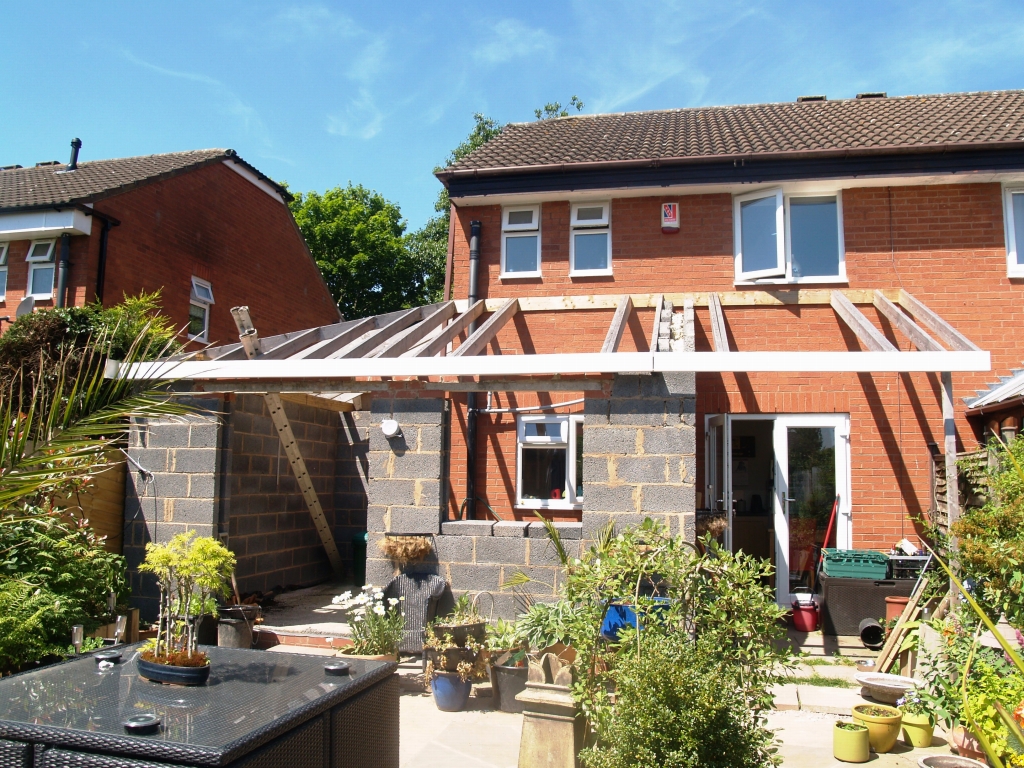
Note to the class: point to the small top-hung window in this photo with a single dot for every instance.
(3, 271)
(40, 269)
(590, 246)
(1014, 217)
(520, 242)
(199, 303)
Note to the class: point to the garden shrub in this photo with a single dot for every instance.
(34, 623)
(680, 705)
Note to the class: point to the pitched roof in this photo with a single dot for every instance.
(46, 185)
(863, 125)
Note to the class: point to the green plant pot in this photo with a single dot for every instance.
(851, 746)
(917, 730)
(883, 730)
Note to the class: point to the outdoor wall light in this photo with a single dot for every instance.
(390, 428)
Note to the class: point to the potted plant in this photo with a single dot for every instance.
(190, 571)
(377, 623)
(882, 722)
(462, 623)
(850, 742)
(918, 725)
(508, 667)
(451, 668)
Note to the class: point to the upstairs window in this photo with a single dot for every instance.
(199, 309)
(3, 271)
(520, 241)
(590, 247)
(1014, 217)
(789, 238)
(550, 462)
(40, 269)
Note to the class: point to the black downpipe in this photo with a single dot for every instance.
(101, 270)
(471, 410)
(60, 300)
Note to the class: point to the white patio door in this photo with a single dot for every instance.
(811, 454)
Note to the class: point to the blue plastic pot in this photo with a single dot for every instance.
(450, 693)
(620, 615)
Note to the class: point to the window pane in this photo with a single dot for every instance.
(520, 217)
(1018, 226)
(814, 236)
(39, 250)
(591, 251)
(202, 292)
(758, 235)
(3, 282)
(196, 320)
(595, 213)
(521, 253)
(811, 491)
(543, 429)
(42, 281)
(579, 460)
(3, 255)
(543, 473)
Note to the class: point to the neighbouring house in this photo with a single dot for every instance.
(204, 227)
(765, 318)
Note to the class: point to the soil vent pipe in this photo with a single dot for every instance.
(62, 271)
(471, 410)
(76, 144)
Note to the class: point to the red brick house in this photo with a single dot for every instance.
(204, 227)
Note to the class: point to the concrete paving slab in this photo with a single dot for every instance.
(304, 650)
(786, 697)
(832, 701)
(478, 737)
(309, 612)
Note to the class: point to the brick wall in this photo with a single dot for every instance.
(209, 222)
(942, 243)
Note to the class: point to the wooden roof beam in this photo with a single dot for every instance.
(870, 337)
(658, 303)
(360, 347)
(410, 337)
(719, 336)
(457, 326)
(327, 347)
(905, 325)
(618, 325)
(936, 324)
(483, 335)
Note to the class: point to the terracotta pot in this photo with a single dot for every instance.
(883, 730)
(850, 746)
(894, 607)
(918, 730)
(966, 743)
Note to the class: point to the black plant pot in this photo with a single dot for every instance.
(462, 632)
(165, 673)
(506, 682)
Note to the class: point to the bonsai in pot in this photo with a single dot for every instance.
(918, 724)
(462, 623)
(508, 667)
(882, 722)
(850, 742)
(377, 623)
(451, 667)
(190, 571)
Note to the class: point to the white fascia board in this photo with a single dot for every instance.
(36, 224)
(577, 363)
(252, 178)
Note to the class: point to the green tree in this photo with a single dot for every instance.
(356, 237)
(554, 109)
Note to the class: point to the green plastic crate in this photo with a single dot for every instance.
(856, 563)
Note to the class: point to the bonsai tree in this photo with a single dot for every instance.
(190, 571)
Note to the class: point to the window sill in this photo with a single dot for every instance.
(197, 338)
(552, 504)
(39, 296)
(840, 280)
(591, 273)
(519, 275)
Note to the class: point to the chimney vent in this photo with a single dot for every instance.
(872, 95)
(76, 144)
(811, 98)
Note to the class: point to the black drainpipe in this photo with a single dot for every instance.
(471, 411)
(62, 271)
(101, 270)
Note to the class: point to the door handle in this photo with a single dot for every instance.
(789, 499)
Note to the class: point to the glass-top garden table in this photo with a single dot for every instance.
(258, 710)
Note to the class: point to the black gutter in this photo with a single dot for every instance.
(60, 300)
(471, 409)
(745, 170)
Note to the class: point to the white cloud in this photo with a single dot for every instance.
(511, 39)
(362, 118)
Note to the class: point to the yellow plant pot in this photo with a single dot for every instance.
(917, 730)
(850, 746)
(882, 722)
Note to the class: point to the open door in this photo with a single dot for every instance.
(719, 469)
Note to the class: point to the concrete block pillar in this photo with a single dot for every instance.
(406, 474)
(639, 454)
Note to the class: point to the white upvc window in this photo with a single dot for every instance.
(549, 462)
(40, 269)
(3, 271)
(789, 238)
(590, 243)
(1014, 218)
(199, 309)
(520, 241)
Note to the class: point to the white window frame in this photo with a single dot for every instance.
(4, 247)
(1013, 268)
(603, 225)
(196, 300)
(568, 422)
(511, 230)
(782, 273)
(33, 261)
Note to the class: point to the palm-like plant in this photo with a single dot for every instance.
(56, 430)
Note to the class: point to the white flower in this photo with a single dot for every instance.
(379, 610)
(358, 618)
(329, 639)
(344, 596)
(402, 598)
(392, 601)
(367, 587)
(378, 595)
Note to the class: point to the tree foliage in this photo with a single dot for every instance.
(554, 109)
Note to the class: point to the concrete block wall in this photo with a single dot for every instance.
(639, 454)
(350, 475)
(185, 458)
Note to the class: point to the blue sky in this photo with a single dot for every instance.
(378, 93)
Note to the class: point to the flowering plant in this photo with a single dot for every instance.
(913, 704)
(377, 623)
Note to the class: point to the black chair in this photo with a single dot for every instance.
(421, 592)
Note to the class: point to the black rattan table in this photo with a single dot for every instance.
(258, 710)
